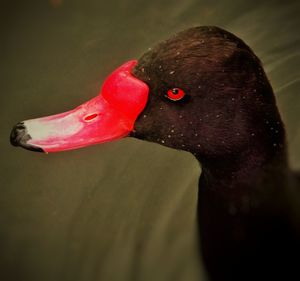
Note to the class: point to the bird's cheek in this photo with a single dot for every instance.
(142, 128)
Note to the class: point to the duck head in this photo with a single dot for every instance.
(203, 90)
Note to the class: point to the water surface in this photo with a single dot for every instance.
(117, 211)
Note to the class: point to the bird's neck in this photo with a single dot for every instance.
(249, 169)
(238, 202)
(244, 184)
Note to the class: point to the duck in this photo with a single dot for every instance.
(203, 91)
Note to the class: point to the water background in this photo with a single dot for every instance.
(118, 211)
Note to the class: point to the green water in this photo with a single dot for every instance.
(116, 211)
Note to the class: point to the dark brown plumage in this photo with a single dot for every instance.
(229, 120)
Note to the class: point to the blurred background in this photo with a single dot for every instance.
(117, 211)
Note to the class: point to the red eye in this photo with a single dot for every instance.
(175, 94)
(90, 117)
